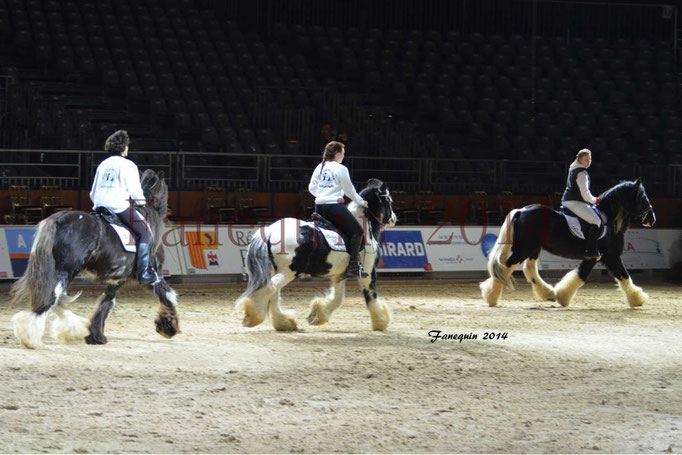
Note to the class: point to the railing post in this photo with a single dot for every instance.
(425, 171)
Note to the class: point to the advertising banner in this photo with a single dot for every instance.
(212, 249)
(403, 250)
(221, 249)
(19, 242)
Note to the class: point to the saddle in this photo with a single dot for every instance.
(125, 234)
(336, 239)
(579, 227)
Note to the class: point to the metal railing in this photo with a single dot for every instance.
(42, 167)
(282, 172)
(165, 162)
(199, 170)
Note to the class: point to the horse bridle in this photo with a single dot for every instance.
(649, 210)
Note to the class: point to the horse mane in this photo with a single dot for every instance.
(156, 193)
(620, 200)
(373, 192)
(374, 183)
(617, 191)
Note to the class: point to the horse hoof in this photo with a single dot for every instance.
(317, 314)
(287, 326)
(96, 340)
(166, 327)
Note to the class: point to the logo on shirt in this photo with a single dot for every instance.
(108, 179)
(326, 179)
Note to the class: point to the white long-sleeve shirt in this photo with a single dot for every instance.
(116, 180)
(329, 183)
(583, 182)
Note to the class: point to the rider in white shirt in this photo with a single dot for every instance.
(579, 200)
(117, 188)
(329, 183)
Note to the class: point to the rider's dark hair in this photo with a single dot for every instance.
(116, 143)
(330, 151)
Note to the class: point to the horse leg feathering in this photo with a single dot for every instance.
(379, 312)
(321, 308)
(541, 289)
(282, 321)
(634, 295)
(167, 324)
(499, 267)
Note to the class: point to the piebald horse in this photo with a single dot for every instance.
(527, 231)
(289, 248)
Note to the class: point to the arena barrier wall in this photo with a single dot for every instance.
(221, 249)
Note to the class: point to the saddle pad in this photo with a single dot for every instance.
(575, 228)
(126, 238)
(334, 240)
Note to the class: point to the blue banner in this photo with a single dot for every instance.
(403, 250)
(19, 243)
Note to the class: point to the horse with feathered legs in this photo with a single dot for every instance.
(527, 231)
(290, 247)
(69, 242)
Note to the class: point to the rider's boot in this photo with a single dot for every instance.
(354, 269)
(146, 274)
(591, 249)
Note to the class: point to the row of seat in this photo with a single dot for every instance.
(186, 74)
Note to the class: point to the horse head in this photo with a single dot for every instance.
(379, 203)
(155, 191)
(630, 199)
(644, 209)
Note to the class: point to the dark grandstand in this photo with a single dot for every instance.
(484, 101)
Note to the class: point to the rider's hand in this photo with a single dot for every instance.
(365, 204)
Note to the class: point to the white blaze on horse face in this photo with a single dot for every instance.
(58, 290)
(393, 220)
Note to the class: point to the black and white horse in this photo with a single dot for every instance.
(290, 247)
(528, 230)
(69, 242)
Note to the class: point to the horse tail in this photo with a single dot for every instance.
(258, 267)
(501, 251)
(40, 279)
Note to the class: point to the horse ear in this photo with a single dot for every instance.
(383, 188)
(373, 182)
(639, 181)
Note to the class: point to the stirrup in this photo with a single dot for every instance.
(347, 274)
(149, 277)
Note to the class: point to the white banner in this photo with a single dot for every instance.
(211, 249)
(221, 249)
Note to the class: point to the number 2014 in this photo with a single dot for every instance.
(494, 335)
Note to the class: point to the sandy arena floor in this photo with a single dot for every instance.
(596, 377)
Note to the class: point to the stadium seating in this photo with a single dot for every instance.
(176, 74)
